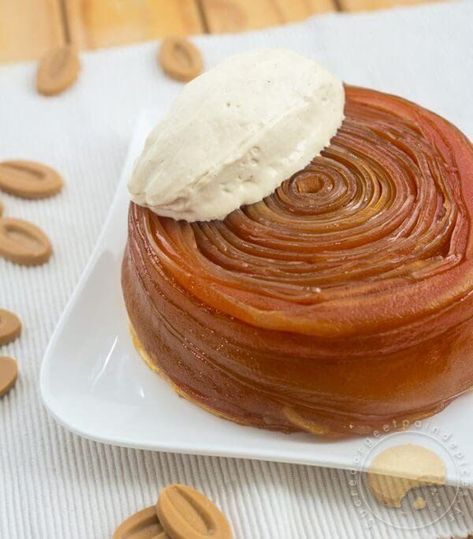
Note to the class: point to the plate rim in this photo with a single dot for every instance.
(286, 455)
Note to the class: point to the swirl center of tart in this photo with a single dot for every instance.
(380, 209)
(380, 203)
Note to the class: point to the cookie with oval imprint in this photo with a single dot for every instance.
(180, 59)
(141, 525)
(8, 374)
(23, 243)
(28, 179)
(397, 470)
(186, 513)
(57, 70)
(10, 327)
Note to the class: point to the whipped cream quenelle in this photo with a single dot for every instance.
(236, 133)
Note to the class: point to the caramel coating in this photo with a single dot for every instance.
(339, 303)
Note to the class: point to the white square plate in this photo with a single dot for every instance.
(95, 384)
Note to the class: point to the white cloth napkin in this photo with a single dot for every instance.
(54, 484)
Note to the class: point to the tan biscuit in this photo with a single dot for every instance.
(57, 70)
(180, 59)
(10, 327)
(396, 470)
(8, 374)
(186, 513)
(23, 243)
(28, 179)
(141, 525)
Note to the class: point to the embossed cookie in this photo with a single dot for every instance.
(141, 525)
(186, 513)
(23, 243)
(180, 59)
(57, 70)
(8, 374)
(10, 327)
(29, 179)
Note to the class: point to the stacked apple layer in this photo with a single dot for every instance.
(339, 303)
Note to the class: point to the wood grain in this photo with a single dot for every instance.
(239, 15)
(369, 5)
(29, 28)
(297, 10)
(101, 23)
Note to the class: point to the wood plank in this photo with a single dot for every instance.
(29, 28)
(298, 10)
(101, 23)
(369, 5)
(239, 15)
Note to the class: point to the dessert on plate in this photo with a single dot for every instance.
(299, 255)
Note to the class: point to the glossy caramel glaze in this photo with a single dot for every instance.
(339, 303)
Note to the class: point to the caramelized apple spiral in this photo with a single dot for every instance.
(324, 306)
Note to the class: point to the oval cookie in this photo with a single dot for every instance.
(28, 179)
(8, 374)
(186, 513)
(180, 59)
(10, 327)
(396, 470)
(141, 525)
(23, 243)
(57, 70)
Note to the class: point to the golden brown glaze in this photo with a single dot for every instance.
(339, 303)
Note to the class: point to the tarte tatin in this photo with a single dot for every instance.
(341, 302)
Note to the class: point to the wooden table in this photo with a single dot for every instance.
(28, 28)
